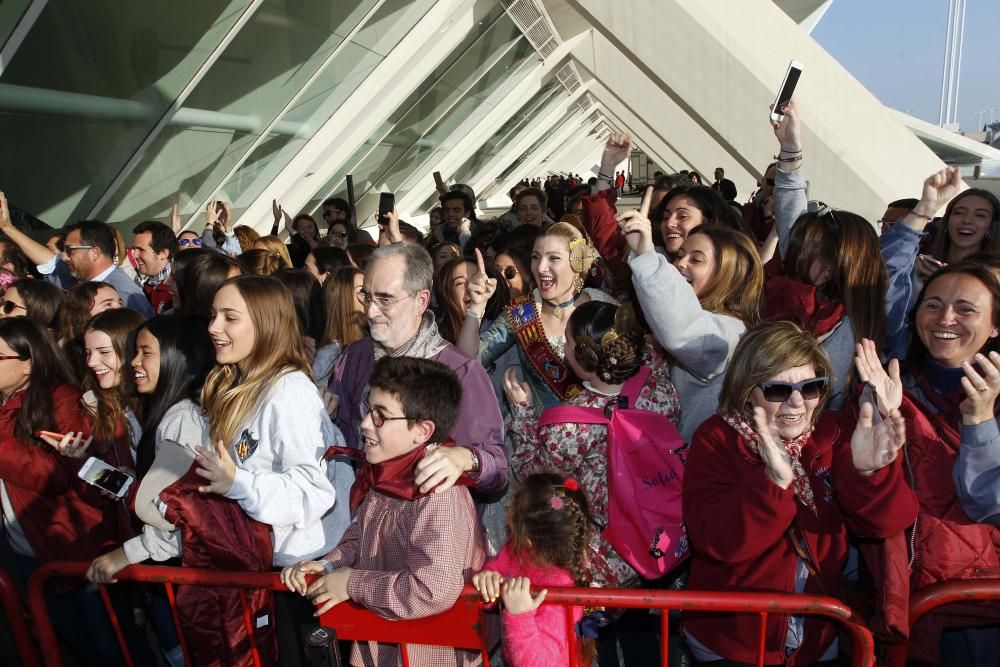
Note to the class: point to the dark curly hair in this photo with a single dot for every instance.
(549, 525)
(616, 359)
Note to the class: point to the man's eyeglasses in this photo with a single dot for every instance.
(383, 302)
(9, 306)
(70, 248)
(187, 242)
(509, 272)
(378, 419)
(779, 392)
(339, 235)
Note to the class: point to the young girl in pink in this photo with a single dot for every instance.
(548, 524)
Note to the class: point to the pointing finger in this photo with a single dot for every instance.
(647, 199)
(480, 264)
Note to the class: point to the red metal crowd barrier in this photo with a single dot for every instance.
(947, 592)
(17, 621)
(464, 625)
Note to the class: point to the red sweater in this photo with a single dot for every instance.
(62, 518)
(737, 521)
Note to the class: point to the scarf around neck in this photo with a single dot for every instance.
(426, 343)
(395, 478)
(800, 480)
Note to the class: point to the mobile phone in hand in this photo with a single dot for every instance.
(386, 204)
(105, 477)
(786, 90)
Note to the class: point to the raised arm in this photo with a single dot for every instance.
(789, 182)
(36, 253)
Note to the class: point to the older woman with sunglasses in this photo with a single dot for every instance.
(771, 487)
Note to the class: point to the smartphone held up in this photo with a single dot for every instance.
(786, 90)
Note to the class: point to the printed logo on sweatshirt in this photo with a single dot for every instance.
(246, 446)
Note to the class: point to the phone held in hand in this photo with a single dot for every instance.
(105, 477)
(50, 434)
(386, 204)
(786, 90)
(438, 181)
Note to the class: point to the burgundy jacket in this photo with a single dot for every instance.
(738, 522)
(62, 517)
(217, 534)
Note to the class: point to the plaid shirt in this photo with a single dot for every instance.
(411, 559)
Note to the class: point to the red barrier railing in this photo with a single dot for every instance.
(17, 621)
(463, 626)
(928, 599)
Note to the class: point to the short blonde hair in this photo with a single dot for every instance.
(274, 245)
(766, 350)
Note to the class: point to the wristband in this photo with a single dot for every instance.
(921, 215)
(469, 312)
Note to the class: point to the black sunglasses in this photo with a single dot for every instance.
(779, 392)
(509, 272)
(9, 306)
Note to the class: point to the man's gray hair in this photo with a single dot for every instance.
(419, 272)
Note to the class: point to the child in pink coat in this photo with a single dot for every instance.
(548, 525)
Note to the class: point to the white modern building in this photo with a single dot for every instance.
(116, 110)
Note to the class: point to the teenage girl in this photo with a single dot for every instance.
(548, 523)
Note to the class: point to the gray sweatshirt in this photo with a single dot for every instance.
(977, 472)
(789, 203)
(702, 342)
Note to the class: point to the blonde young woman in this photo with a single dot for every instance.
(271, 431)
(536, 321)
(698, 307)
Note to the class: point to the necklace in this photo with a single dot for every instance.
(558, 309)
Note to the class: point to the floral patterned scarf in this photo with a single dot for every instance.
(800, 480)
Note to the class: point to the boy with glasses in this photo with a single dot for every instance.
(410, 550)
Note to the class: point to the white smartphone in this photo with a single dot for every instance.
(108, 478)
(787, 89)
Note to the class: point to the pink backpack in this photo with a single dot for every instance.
(645, 474)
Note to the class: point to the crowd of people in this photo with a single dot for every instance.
(371, 417)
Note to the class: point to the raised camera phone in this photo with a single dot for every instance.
(386, 204)
(98, 473)
(786, 90)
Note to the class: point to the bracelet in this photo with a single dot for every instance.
(920, 215)
(785, 150)
(787, 159)
(469, 312)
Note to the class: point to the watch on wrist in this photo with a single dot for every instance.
(474, 470)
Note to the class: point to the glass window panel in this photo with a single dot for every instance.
(265, 65)
(11, 12)
(87, 85)
(355, 62)
(417, 128)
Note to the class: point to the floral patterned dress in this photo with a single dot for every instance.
(580, 451)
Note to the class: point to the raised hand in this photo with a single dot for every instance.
(777, 463)
(5, 221)
(276, 211)
(480, 287)
(212, 213)
(392, 226)
(875, 446)
(888, 386)
(616, 150)
(981, 389)
(787, 130)
(175, 218)
(225, 216)
(636, 226)
(518, 392)
(939, 189)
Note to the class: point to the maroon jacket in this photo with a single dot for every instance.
(217, 534)
(159, 297)
(62, 518)
(738, 520)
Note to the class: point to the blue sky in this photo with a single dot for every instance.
(895, 48)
